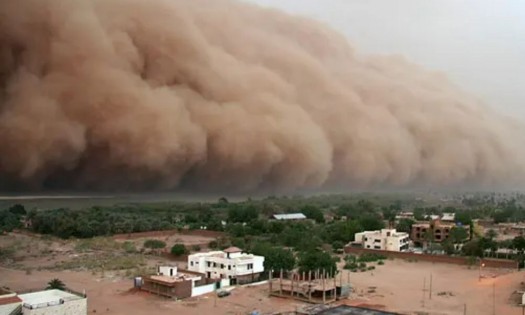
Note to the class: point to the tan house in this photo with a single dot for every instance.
(437, 229)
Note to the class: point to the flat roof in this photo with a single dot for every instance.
(289, 216)
(47, 296)
(353, 310)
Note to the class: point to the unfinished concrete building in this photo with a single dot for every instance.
(312, 287)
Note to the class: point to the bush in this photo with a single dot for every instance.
(381, 262)
(129, 247)
(371, 257)
(154, 244)
(179, 249)
(371, 267)
(351, 265)
(213, 244)
(362, 265)
(196, 248)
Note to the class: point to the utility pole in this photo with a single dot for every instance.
(424, 285)
(430, 288)
(465, 309)
(494, 298)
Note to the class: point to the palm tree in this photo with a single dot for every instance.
(56, 284)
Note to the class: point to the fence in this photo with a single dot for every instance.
(458, 260)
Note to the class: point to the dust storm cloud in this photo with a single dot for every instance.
(219, 95)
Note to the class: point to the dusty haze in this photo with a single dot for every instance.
(218, 95)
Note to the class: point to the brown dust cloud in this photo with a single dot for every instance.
(218, 95)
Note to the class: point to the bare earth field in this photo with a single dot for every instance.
(399, 286)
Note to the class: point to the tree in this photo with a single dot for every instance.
(313, 212)
(56, 284)
(405, 225)
(154, 244)
(275, 258)
(457, 235)
(371, 222)
(314, 260)
(179, 249)
(18, 210)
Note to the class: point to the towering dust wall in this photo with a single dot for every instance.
(214, 94)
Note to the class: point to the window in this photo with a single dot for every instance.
(191, 263)
(377, 247)
(438, 231)
(366, 239)
(229, 267)
(222, 266)
(387, 233)
(214, 265)
(367, 246)
(250, 266)
(209, 264)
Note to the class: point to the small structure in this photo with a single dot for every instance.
(404, 215)
(386, 239)
(179, 284)
(230, 264)
(53, 302)
(289, 216)
(448, 217)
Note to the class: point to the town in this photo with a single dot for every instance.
(277, 255)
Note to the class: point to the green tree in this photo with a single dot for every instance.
(457, 235)
(314, 260)
(179, 249)
(371, 222)
(405, 225)
(56, 284)
(313, 212)
(491, 234)
(275, 258)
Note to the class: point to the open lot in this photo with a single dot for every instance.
(398, 285)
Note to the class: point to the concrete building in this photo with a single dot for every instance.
(231, 264)
(438, 231)
(386, 239)
(448, 217)
(405, 215)
(179, 284)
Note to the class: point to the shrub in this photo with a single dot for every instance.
(129, 247)
(179, 249)
(381, 262)
(196, 248)
(362, 265)
(154, 244)
(371, 267)
(371, 257)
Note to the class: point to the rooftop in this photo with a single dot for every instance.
(289, 216)
(352, 310)
(233, 250)
(47, 298)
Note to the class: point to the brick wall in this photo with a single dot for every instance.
(489, 262)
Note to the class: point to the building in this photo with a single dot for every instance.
(231, 264)
(437, 230)
(10, 303)
(289, 216)
(405, 215)
(448, 217)
(179, 284)
(48, 302)
(386, 239)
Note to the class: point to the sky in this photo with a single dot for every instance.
(479, 44)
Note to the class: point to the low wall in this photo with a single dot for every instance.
(203, 289)
(489, 262)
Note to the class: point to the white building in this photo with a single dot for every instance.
(448, 217)
(386, 239)
(289, 217)
(53, 302)
(231, 264)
